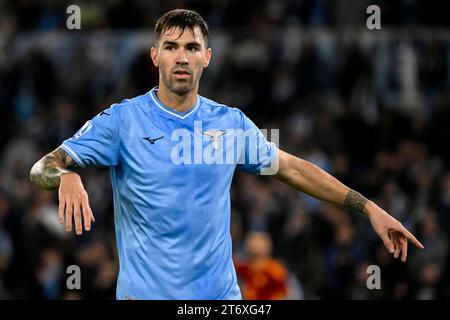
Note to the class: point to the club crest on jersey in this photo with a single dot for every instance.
(214, 136)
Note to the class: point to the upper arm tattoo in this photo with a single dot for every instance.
(355, 201)
(47, 172)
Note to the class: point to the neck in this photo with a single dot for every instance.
(179, 103)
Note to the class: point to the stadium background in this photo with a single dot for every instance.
(370, 107)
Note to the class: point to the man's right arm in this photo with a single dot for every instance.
(57, 170)
(46, 173)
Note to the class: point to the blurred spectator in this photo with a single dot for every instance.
(49, 273)
(341, 257)
(261, 277)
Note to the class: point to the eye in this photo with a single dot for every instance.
(170, 48)
(193, 49)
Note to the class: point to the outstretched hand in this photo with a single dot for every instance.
(394, 235)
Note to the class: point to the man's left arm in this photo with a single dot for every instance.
(310, 179)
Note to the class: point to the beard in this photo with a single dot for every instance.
(180, 87)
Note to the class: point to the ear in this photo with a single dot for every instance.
(207, 57)
(154, 56)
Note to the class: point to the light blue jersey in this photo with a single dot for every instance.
(171, 174)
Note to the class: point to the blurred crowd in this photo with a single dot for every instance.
(32, 15)
(370, 107)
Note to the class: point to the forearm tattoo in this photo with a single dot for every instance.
(354, 201)
(46, 173)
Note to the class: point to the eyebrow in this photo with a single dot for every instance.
(173, 43)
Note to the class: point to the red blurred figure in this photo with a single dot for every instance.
(261, 277)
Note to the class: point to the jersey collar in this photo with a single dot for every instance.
(166, 109)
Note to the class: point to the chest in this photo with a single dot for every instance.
(167, 150)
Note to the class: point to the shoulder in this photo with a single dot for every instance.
(126, 106)
(276, 269)
(139, 100)
(216, 107)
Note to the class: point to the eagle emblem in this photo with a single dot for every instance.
(214, 136)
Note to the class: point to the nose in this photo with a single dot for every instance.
(182, 57)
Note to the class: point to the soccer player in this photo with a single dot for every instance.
(170, 180)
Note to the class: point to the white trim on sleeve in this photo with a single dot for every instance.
(73, 154)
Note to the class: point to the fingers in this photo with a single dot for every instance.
(396, 242)
(69, 213)
(78, 208)
(77, 217)
(397, 247)
(404, 244)
(61, 209)
(400, 246)
(388, 243)
(87, 213)
(408, 235)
